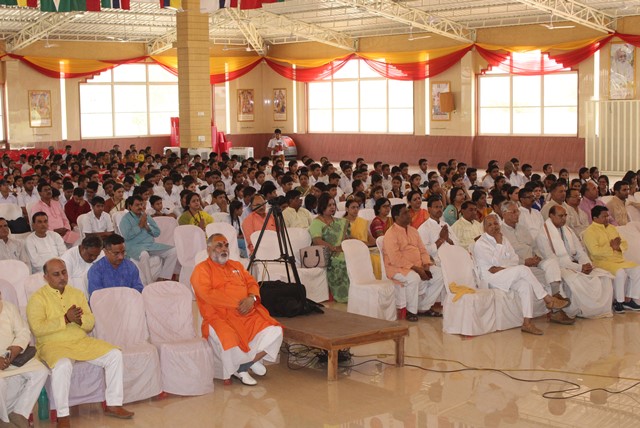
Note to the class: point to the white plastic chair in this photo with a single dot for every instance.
(186, 360)
(367, 295)
(167, 227)
(120, 320)
(314, 279)
(473, 314)
(189, 241)
(367, 214)
(16, 273)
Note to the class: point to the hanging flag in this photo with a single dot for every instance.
(250, 4)
(69, 5)
(210, 6)
(21, 3)
(116, 4)
(171, 4)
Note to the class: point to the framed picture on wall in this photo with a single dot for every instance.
(622, 71)
(436, 89)
(39, 109)
(246, 112)
(279, 104)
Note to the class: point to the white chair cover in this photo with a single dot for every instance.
(189, 241)
(472, 314)
(186, 361)
(167, 227)
(117, 217)
(33, 283)
(8, 292)
(16, 273)
(120, 320)
(314, 279)
(397, 201)
(341, 206)
(367, 214)
(379, 244)
(630, 234)
(221, 218)
(87, 385)
(10, 211)
(82, 222)
(367, 295)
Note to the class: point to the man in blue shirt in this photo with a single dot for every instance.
(114, 270)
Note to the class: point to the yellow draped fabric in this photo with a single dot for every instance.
(460, 290)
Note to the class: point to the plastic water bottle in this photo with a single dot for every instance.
(43, 405)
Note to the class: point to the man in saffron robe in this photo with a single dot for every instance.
(239, 328)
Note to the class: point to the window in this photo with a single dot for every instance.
(357, 99)
(130, 100)
(517, 104)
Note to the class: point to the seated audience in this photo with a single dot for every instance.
(79, 260)
(113, 270)
(467, 229)
(97, 222)
(43, 244)
(10, 247)
(57, 220)
(295, 215)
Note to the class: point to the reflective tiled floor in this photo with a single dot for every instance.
(603, 353)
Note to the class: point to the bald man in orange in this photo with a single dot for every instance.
(238, 327)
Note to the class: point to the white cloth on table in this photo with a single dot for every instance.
(590, 294)
(487, 253)
(113, 372)
(227, 362)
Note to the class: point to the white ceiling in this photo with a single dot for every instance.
(305, 20)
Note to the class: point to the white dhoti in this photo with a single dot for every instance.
(113, 373)
(627, 283)
(227, 362)
(20, 391)
(169, 259)
(521, 280)
(417, 295)
(590, 295)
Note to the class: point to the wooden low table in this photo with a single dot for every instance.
(335, 330)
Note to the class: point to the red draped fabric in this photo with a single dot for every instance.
(629, 38)
(522, 65)
(417, 70)
(231, 75)
(309, 74)
(572, 58)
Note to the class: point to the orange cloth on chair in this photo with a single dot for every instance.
(219, 289)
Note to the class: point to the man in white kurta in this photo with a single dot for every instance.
(97, 222)
(80, 259)
(435, 232)
(547, 272)
(60, 318)
(43, 244)
(11, 248)
(499, 266)
(590, 289)
(577, 219)
(529, 217)
(19, 386)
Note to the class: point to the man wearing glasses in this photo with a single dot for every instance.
(113, 270)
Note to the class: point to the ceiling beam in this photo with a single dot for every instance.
(415, 18)
(576, 12)
(262, 18)
(248, 30)
(39, 29)
(162, 43)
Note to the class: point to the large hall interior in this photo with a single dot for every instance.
(542, 82)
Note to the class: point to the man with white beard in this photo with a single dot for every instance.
(238, 327)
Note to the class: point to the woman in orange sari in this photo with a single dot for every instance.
(418, 214)
(480, 198)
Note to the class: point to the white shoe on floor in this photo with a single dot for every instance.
(246, 378)
(258, 369)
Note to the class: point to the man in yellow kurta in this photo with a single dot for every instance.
(605, 247)
(239, 328)
(60, 318)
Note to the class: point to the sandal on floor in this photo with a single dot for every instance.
(430, 313)
(411, 317)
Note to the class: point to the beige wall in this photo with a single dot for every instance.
(20, 78)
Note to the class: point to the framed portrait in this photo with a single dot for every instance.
(246, 112)
(279, 104)
(436, 89)
(622, 71)
(39, 109)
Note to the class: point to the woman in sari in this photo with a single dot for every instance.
(116, 202)
(452, 212)
(360, 231)
(194, 214)
(328, 231)
(381, 222)
(418, 214)
(480, 198)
